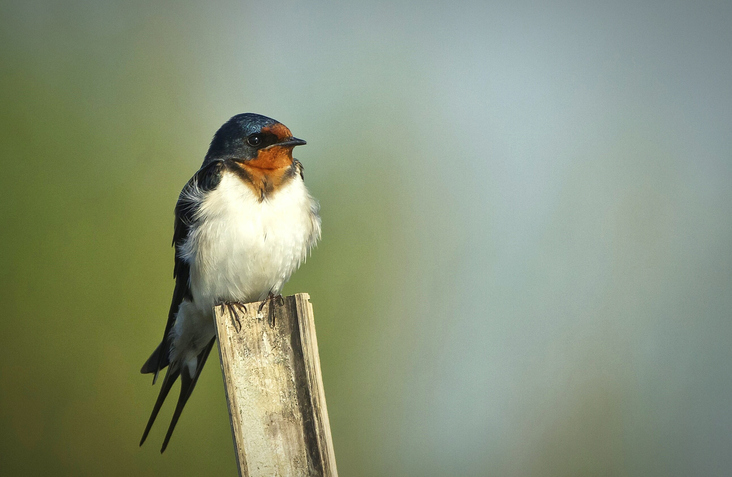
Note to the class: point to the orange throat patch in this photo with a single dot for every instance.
(269, 170)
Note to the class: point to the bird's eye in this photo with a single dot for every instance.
(254, 140)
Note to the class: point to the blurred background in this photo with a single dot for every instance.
(526, 264)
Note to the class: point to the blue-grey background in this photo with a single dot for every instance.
(526, 264)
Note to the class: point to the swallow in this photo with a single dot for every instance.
(243, 224)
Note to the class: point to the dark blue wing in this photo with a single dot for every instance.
(206, 179)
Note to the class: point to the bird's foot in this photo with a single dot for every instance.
(271, 311)
(234, 309)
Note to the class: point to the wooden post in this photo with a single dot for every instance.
(274, 389)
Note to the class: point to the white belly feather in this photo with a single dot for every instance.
(240, 250)
(244, 249)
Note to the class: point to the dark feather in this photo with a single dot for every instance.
(151, 365)
(187, 384)
(298, 168)
(206, 179)
(170, 377)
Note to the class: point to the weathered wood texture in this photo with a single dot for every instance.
(274, 389)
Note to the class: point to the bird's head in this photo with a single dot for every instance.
(253, 140)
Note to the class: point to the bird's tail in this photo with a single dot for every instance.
(158, 360)
(188, 383)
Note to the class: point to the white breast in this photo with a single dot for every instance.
(241, 249)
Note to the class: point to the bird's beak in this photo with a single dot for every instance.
(291, 142)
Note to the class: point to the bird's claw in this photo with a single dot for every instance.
(271, 311)
(233, 307)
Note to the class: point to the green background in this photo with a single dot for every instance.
(526, 263)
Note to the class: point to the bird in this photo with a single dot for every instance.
(243, 224)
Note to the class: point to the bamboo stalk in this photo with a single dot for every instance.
(274, 388)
